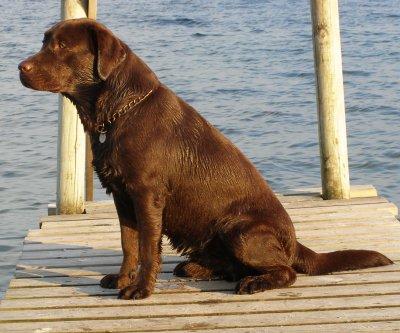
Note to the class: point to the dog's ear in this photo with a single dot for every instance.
(110, 51)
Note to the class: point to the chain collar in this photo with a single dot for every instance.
(101, 128)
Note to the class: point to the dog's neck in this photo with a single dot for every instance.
(132, 79)
(85, 101)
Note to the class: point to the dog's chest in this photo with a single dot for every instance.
(107, 165)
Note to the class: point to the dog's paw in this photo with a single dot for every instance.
(109, 281)
(116, 281)
(251, 285)
(134, 292)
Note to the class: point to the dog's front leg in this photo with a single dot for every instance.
(148, 208)
(129, 242)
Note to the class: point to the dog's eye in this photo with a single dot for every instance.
(61, 45)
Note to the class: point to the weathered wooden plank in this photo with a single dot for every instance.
(86, 261)
(302, 194)
(325, 246)
(106, 245)
(76, 253)
(370, 206)
(385, 210)
(59, 260)
(372, 231)
(78, 224)
(389, 207)
(89, 284)
(348, 222)
(356, 191)
(383, 226)
(60, 300)
(111, 242)
(88, 280)
(359, 216)
(375, 227)
(385, 243)
(331, 241)
(72, 280)
(207, 322)
(41, 271)
(135, 310)
(95, 289)
(303, 280)
(108, 206)
(88, 226)
(41, 252)
(295, 204)
(363, 326)
(299, 221)
(78, 217)
(44, 271)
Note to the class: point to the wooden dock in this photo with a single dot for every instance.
(56, 285)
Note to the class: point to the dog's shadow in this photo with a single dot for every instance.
(76, 271)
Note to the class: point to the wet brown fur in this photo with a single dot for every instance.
(171, 172)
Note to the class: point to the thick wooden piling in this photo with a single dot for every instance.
(71, 139)
(330, 99)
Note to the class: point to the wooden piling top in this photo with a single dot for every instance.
(56, 285)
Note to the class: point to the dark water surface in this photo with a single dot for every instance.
(247, 66)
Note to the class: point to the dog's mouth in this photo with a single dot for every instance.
(26, 82)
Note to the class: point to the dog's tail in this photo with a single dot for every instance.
(309, 262)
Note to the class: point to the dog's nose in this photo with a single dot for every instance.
(25, 66)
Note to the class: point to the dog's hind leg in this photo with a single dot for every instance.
(274, 276)
(260, 251)
(193, 269)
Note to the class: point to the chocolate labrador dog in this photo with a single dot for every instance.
(171, 172)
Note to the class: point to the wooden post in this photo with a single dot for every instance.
(330, 99)
(92, 9)
(71, 139)
(89, 190)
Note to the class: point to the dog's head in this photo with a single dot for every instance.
(75, 54)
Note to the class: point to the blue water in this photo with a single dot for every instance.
(247, 66)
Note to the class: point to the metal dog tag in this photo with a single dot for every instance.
(102, 137)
